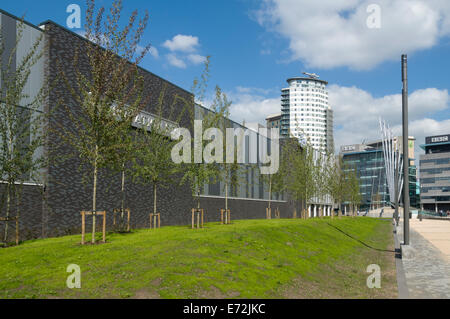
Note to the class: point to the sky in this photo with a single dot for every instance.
(255, 45)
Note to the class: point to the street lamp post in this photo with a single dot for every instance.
(405, 149)
(396, 173)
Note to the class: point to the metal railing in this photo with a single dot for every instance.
(432, 214)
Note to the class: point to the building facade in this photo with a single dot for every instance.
(435, 173)
(306, 113)
(274, 121)
(51, 206)
(369, 164)
(368, 160)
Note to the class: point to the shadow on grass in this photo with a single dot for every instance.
(361, 242)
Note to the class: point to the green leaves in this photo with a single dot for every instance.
(106, 91)
(22, 121)
(298, 169)
(344, 183)
(199, 174)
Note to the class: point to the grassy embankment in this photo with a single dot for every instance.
(316, 258)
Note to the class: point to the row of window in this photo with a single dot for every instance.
(444, 189)
(250, 187)
(320, 100)
(438, 161)
(435, 170)
(310, 85)
(432, 180)
(309, 115)
(309, 124)
(322, 96)
(437, 198)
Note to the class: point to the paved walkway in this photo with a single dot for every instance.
(426, 262)
(437, 232)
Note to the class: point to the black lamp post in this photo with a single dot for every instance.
(405, 149)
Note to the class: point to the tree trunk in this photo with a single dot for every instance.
(198, 190)
(18, 201)
(339, 210)
(198, 197)
(8, 205)
(94, 194)
(270, 191)
(226, 196)
(123, 188)
(154, 198)
(122, 210)
(10, 184)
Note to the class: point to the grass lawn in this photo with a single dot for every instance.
(278, 258)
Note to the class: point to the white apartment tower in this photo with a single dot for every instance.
(306, 113)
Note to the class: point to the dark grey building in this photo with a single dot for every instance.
(435, 173)
(51, 206)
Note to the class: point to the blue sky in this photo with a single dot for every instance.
(256, 45)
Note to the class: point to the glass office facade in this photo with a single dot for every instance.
(371, 173)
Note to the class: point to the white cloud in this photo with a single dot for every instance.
(196, 58)
(185, 47)
(356, 114)
(184, 43)
(252, 105)
(154, 52)
(253, 90)
(175, 61)
(334, 33)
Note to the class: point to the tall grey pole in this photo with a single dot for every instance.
(396, 216)
(405, 149)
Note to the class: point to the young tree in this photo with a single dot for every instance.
(329, 175)
(22, 121)
(121, 157)
(298, 171)
(152, 163)
(199, 172)
(319, 175)
(353, 191)
(275, 182)
(108, 92)
(229, 172)
(338, 183)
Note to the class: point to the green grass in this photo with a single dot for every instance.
(283, 258)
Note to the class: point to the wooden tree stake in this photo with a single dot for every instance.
(227, 214)
(119, 211)
(268, 213)
(277, 213)
(200, 217)
(155, 220)
(83, 225)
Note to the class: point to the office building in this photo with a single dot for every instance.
(306, 113)
(435, 173)
(51, 206)
(274, 121)
(369, 162)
